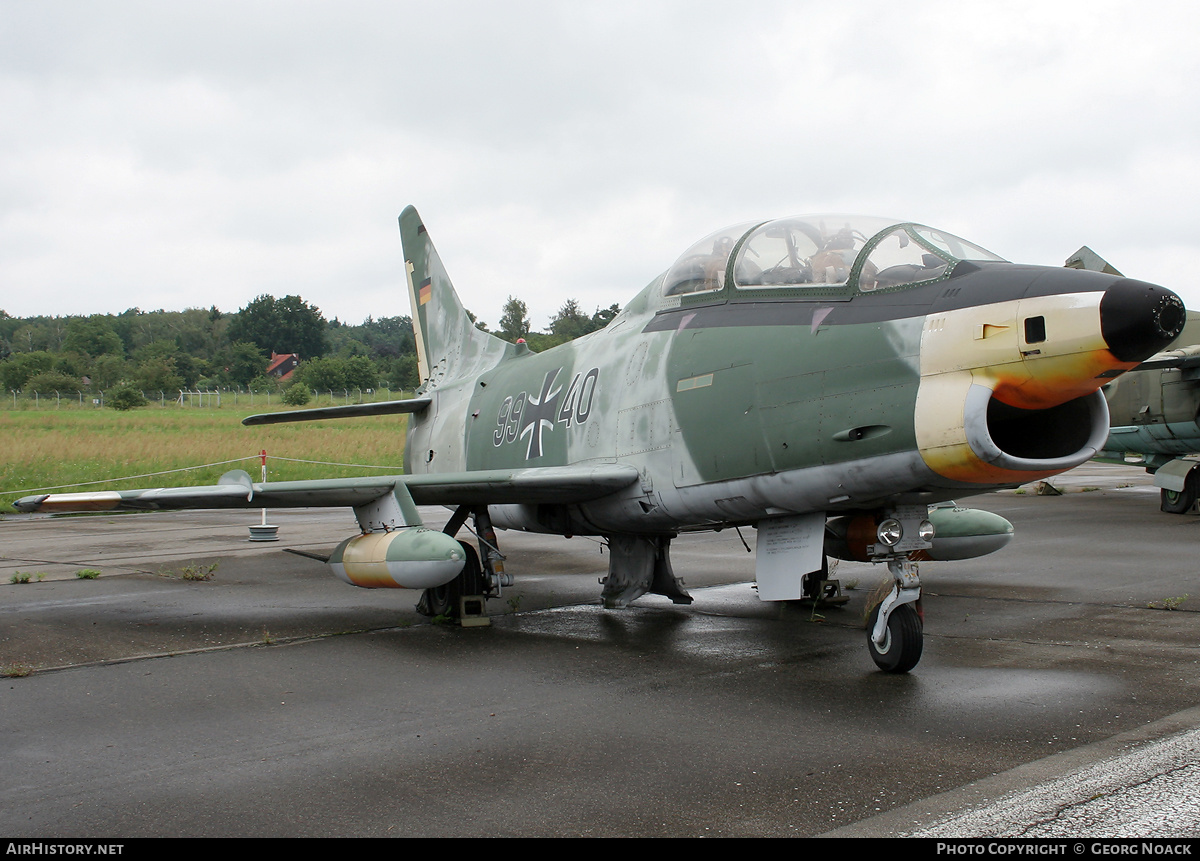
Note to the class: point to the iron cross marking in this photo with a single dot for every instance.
(539, 415)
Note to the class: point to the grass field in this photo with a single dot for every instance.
(42, 449)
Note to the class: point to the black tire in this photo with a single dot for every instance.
(903, 643)
(444, 600)
(438, 601)
(1180, 502)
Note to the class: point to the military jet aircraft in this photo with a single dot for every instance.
(1155, 411)
(1156, 420)
(833, 380)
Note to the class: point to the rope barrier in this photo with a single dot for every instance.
(393, 468)
(128, 477)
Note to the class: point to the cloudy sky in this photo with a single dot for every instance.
(179, 154)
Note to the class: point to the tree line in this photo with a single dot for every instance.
(569, 323)
(209, 349)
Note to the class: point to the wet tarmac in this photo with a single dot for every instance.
(274, 700)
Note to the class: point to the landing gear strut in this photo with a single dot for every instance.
(895, 633)
(896, 642)
(895, 628)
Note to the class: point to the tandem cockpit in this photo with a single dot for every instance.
(821, 256)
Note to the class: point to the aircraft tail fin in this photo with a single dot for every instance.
(1086, 258)
(449, 346)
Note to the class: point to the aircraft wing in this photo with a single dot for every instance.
(557, 484)
(1187, 357)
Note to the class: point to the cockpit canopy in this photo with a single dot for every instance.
(818, 252)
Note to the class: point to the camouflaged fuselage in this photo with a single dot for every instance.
(744, 402)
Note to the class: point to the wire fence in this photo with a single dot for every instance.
(200, 398)
(261, 457)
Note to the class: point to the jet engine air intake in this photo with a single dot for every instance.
(1035, 440)
(986, 440)
(1047, 434)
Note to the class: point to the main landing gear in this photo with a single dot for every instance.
(1180, 501)
(464, 599)
(447, 600)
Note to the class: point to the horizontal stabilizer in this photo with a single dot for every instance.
(383, 408)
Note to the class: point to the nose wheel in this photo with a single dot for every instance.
(903, 639)
(895, 632)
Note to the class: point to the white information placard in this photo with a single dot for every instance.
(788, 549)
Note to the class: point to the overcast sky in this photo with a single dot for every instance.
(181, 154)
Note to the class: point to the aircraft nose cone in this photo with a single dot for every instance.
(1138, 319)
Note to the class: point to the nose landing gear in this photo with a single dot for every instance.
(895, 633)
(895, 629)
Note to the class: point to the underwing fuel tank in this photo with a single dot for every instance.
(959, 533)
(409, 558)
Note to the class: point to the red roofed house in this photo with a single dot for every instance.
(282, 365)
